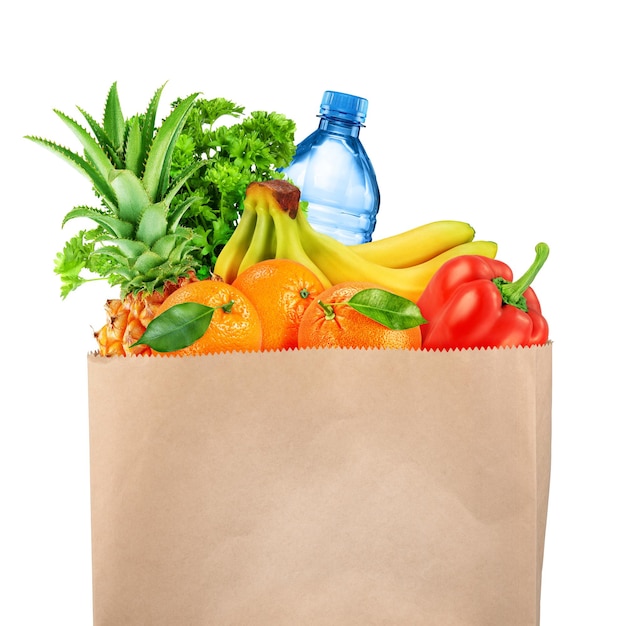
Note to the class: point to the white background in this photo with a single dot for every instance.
(509, 115)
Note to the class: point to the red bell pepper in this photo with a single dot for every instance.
(471, 302)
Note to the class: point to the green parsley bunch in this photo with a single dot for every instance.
(235, 150)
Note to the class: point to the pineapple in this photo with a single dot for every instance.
(138, 242)
(128, 319)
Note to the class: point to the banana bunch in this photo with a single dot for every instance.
(271, 226)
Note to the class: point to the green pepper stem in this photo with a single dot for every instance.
(513, 292)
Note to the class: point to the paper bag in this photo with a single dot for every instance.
(320, 487)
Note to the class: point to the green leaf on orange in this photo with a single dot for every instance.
(177, 327)
(386, 308)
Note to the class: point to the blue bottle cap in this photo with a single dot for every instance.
(344, 106)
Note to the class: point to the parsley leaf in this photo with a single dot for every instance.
(76, 258)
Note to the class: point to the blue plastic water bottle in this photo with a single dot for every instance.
(334, 173)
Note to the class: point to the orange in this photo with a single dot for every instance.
(280, 290)
(344, 327)
(236, 329)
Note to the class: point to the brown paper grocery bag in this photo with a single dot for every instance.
(320, 487)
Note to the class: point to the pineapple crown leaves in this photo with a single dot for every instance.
(128, 145)
(129, 164)
(133, 202)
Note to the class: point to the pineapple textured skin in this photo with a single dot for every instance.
(128, 318)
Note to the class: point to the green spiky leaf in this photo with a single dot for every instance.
(114, 124)
(156, 176)
(103, 139)
(129, 248)
(153, 224)
(113, 225)
(181, 250)
(135, 154)
(175, 217)
(100, 183)
(149, 124)
(182, 179)
(112, 265)
(132, 198)
(93, 151)
(165, 246)
(149, 260)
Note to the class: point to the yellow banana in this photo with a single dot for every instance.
(288, 244)
(263, 241)
(266, 230)
(417, 245)
(340, 263)
(230, 257)
(271, 226)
